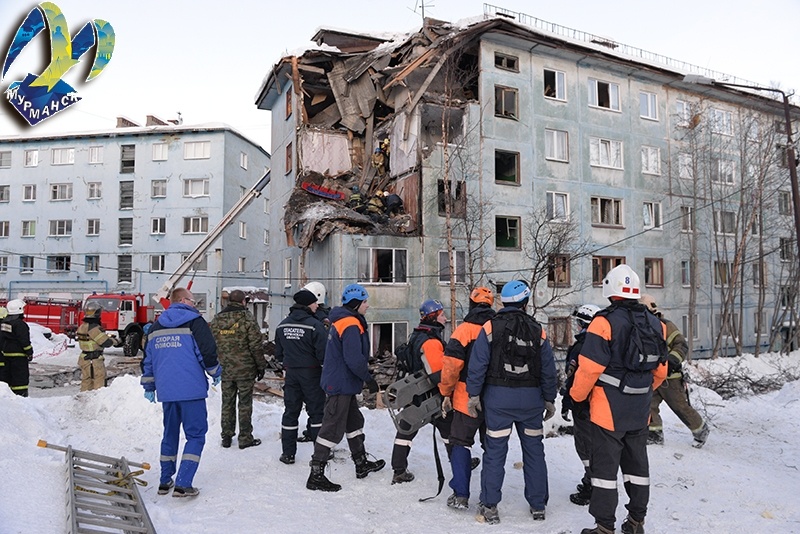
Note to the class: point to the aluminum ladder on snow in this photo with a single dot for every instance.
(103, 494)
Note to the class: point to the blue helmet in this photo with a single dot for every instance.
(354, 292)
(514, 292)
(430, 307)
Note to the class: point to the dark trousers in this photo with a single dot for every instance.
(341, 417)
(402, 443)
(301, 386)
(462, 437)
(17, 374)
(582, 433)
(612, 452)
(673, 393)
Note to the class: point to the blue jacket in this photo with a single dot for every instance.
(179, 351)
(346, 354)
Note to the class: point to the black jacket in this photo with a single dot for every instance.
(300, 339)
(15, 337)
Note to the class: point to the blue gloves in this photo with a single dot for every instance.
(150, 395)
(217, 380)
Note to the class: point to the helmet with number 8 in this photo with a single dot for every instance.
(621, 281)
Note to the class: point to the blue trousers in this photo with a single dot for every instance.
(193, 417)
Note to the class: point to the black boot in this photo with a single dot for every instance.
(655, 437)
(631, 526)
(583, 496)
(317, 479)
(365, 467)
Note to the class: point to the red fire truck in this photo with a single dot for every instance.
(124, 316)
(60, 316)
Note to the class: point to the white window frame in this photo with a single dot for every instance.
(601, 206)
(3, 264)
(651, 215)
(265, 269)
(460, 261)
(287, 272)
(5, 159)
(721, 121)
(651, 160)
(266, 237)
(595, 86)
(195, 225)
(92, 227)
(686, 273)
(196, 187)
(513, 225)
(29, 228)
(160, 151)
(201, 263)
(95, 155)
(695, 324)
(687, 220)
(59, 260)
(27, 264)
(561, 85)
(556, 145)
(92, 263)
(243, 160)
(557, 209)
(158, 188)
(648, 105)
(62, 156)
(726, 172)
(242, 264)
(724, 222)
(197, 150)
(685, 166)
(60, 192)
(158, 263)
(94, 190)
(5, 193)
(5, 228)
(785, 203)
(60, 228)
(158, 225)
(367, 260)
(31, 158)
(606, 153)
(242, 230)
(683, 112)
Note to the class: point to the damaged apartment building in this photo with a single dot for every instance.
(487, 131)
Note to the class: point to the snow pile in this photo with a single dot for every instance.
(46, 344)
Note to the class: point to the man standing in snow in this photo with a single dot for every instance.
(241, 352)
(179, 351)
(92, 339)
(16, 348)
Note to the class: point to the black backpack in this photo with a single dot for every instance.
(409, 354)
(647, 348)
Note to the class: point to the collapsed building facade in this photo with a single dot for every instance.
(489, 131)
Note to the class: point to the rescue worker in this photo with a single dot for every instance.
(619, 400)
(512, 378)
(581, 426)
(356, 201)
(673, 391)
(394, 204)
(426, 339)
(16, 348)
(92, 339)
(453, 387)
(322, 310)
(343, 377)
(376, 208)
(3, 315)
(240, 348)
(300, 348)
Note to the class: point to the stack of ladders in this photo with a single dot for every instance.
(103, 494)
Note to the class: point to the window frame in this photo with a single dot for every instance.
(154, 184)
(372, 265)
(500, 102)
(601, 265)
(124, 269)
(126, 194)
(62, 156)
(5, 159)
(60, 228)
(61, 192)
(504, 59)
(160, 151)
(158, 226)
(551, 213)
(127, 158)
(193, 150)
(30, 157)
(560, 80)
(289, 161)
(92, 224)
(785, 203)
(243, 160)
(190, 184)
(499, 157)
(125, 231)
(721, 121)
(609, 149)
(648, 105)
(558, 264)
(651, 157)
(158, 263)
(94, 190)
(460, 260)
(612, 93)
(597, 206)
(5, 193)
(722, 271)
(28, 228)
(653, 272)
(91, 263)
(725, 223)
(59, 263)
(513, 231)
(27, 264)
(652, 210)
(96, 154)
(553, 141)
(5, 229)
(200, 221)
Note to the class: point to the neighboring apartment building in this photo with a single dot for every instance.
(562, 158)
(119, 210)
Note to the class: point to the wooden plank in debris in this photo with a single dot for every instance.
(400, 76)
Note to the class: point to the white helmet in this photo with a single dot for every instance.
(585, 313)
(318, 289)
(15, 307)
(621, 281)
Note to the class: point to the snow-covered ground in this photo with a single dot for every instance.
(745, 480)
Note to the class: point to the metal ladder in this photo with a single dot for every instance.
(103, 494)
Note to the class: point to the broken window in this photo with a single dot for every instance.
(126, 195)
(124, 268)
(558, 270)
(654, 272)
(458, 198)
(288, 104)
(288, 162)
(603, 94)
(507, 232)
(126, 231)
(554, 84)
(460, 262)
(506, 166)
(607, 211)
(92, 263)
(59, 263)
(505, 102)
(127, 158)
(434, 116)
(601, 265)
(382, 265)
(558, 332)
(387, 336)
(557, 206)
(506, 62)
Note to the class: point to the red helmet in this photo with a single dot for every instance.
(482, 295)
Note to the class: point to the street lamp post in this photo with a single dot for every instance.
(790, 155)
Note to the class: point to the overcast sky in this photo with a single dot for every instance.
(206, 59)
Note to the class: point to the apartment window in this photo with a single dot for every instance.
(722, 171)
(784, 202)
(31, 158)
(28, 228)
(558, 270)
(686, 273)
(505, 102)
(382, 265)
(158, 225)
(91, 263)
(722, 273)
(266, 237)
(158, 188)
(160, 151)
(694, 331)
(648, 105)
(59, 263)
(26, 264)
(3, 264)
(721, 122)
(124, 268)
(605, 153)
(654, 272)
(725, 222)
(95, 154)
(196, 187)
(506, 166)
(759, 321)
(651, 214)
(126, 231)
(458, 198)
(242, 264)
(460, 263)
(288, 103)
(243, 160)
(60, 192)
(200, 265)
(555, 85)
(5, 193)
(195, 225)
(62, 156)
(126, 195)
(685, 166)
(651, 160)
(5, 228)
(197, 150)
(242, 230)
(387, 336)
(265, 269)
(683, 111)
(556, 143)
(603, 94)
(759, 273)
(5, 159)
(60, 228)
(507, 232)
(288, 162)
(787, 296)
(94, 190)
(557, 206)
(127, 159)
(601, 265)
(687, 219)
(559, 332)
(157, 263)
(726, 327)
(506, 62)
(92, 226)
(786, 249)
(606, 211)
(287, 272)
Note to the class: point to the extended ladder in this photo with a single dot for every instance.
(103, 494)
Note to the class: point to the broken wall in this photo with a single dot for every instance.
(324, 151)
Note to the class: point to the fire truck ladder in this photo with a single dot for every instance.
(103, 494)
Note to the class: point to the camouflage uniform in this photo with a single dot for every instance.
(241, 353)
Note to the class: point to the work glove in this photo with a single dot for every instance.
(549, 410)
(372, 386)
(447, 406)
(473, 406)
(150, 395)
(260, 374)
(30, 357)
(216, 381)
